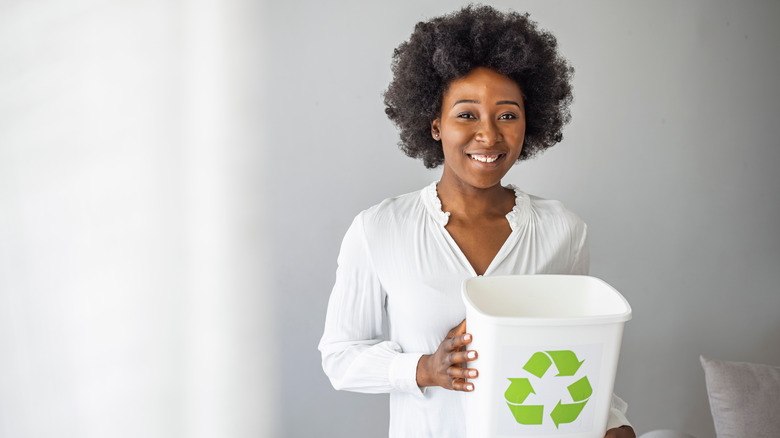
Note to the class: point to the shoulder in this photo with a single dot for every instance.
(551, 208)
(381, 231)
(555, 214)
(392, 215)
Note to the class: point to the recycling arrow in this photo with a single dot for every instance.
(538, 364)
(527, 414)
(580, 390)
(520, 388)
(566, 362)
(516, 394)
(566, 413)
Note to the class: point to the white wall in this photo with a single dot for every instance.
(132, 244)
(670, 158)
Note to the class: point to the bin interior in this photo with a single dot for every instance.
(545, 296)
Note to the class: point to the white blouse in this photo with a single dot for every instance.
(397, 294)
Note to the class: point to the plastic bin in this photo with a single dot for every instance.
(548, 351)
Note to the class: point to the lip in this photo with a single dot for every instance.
(500, 158)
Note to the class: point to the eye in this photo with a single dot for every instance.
(507, 116)
(465, 116)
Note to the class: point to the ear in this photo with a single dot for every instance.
(435, 129)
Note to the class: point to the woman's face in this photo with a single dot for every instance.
(481, 128)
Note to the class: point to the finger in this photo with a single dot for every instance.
(462, 373)
(457, 330)
(459, 357)
(460, 341)
(462, 385)
(457, 343)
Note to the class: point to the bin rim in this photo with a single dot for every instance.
(550, 321)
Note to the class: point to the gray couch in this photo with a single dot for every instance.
(744, 400)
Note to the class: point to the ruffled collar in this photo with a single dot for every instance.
(515, 217)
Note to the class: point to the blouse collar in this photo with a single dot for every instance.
(515, 217)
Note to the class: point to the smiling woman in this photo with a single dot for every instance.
(448, 48)
(482, 127)
(475, 91)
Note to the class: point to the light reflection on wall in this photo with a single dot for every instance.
(132, 299)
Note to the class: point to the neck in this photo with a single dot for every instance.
(468, 201)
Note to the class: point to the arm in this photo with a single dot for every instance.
(621, 432)
(355, 354)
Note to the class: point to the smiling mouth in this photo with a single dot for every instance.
(485, 158)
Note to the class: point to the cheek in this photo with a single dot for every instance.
(517, 139)
(518, 136)
(521, 139)
(456, 137)
(449, 148)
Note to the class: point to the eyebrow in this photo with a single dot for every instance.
(500, 102)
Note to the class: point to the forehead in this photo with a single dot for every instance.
(483, 82)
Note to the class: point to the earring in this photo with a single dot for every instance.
(436, 135)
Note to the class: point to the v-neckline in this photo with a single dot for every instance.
(514, 217)
(497, 259)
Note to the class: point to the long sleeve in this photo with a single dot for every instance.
(581, 264)
(355, 354)
(617, 413)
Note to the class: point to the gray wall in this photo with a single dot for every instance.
(670, 158)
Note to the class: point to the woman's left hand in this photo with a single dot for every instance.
(446, 367)
(621, 432)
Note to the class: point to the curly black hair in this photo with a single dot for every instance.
(449, 47)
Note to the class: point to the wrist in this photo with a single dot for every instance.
(422, 371)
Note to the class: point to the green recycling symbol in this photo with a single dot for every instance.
(520, 388)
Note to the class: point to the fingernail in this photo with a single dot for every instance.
(471, 355)
(472, 373)
(470, 387)
(467, 337)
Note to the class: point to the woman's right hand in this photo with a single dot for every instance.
(445, 367)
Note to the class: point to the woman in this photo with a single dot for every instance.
(475, 91)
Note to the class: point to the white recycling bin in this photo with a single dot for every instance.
(548, 350)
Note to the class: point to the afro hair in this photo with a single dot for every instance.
(449, 47)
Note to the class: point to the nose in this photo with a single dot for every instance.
(487, 132)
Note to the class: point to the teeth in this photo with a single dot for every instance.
(485, 158)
